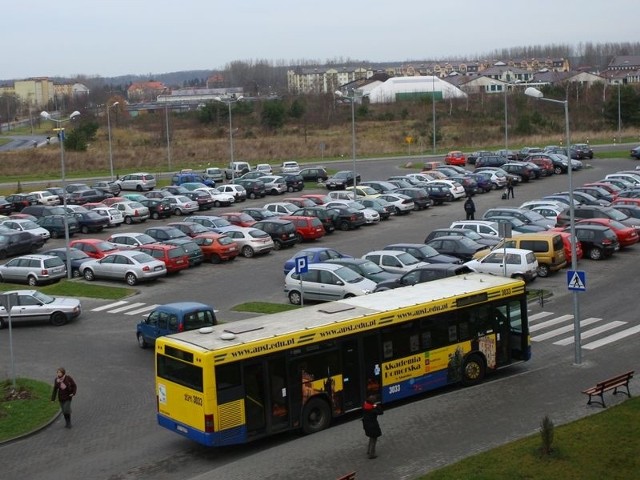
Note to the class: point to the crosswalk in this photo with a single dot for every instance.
(594, 332)
(125, 308)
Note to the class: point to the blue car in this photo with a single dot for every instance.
(173, 318)
(314, 255)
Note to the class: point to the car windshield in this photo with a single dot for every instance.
(407, 259)
(143, 257)
(106, 247)
(367, 190)
(356, 205)
(76, 254)
(616, 215)
(370, 268)
(29, 225)
(471, 234)
(532, 216)
(348, 275)
(256, 233)
(428, 251)
(43, 297)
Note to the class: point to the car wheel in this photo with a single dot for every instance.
(543, 270)
(295, 297)
(58, 318)
(247, 252)
(88, 275)
(277, 245)
(32, 281)
(216, 204)
(595, 254)
(450, 198)
(131, 279)
(177, 212)
(215, 258)
(316, 416)
(141, 341)
(54, 234)
(139, 188)
(299, 238)
(557, 170)
(473, 370)
(252, 195)
(290, 189)
(349, 295)
(84, 229)
(344, 226)
(128, 220)
(75, 273)
(155, 215)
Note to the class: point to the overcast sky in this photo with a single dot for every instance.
(109, 38)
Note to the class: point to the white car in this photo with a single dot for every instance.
(370, 215)
(264, 168)
(44, 197)
(251, 241)
(421, 177)
(455, 188)
(325, 282)
(130, 240)
(519, 263)
(344, 195)
(238, 191)
(219, 198)
(274, 184)
(24, 225)
(113, 214)
(402, 204)
(181, 205)
(290, 167)
(531, 204)
(133, 212)
(486, 228)
(548, 211)
(394, 261)
(281, 208)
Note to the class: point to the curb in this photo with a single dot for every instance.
(32, 432)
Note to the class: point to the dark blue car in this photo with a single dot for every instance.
(314, 255)
(173, 318)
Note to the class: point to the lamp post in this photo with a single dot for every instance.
(166, 120)
(229, 102)
(433, 110)
(109, 107)
(619, 116)
(506, 120)
(60, 132)
(535, 93)
(352, 99)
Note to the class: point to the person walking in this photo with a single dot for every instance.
(65, 389)
(510, 188)
(370, 411)
(470, 208)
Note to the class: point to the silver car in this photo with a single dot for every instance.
(182, 205)
(140, 182)
(129, 265)
(251, 241)
(325, 282)
(36, 306)
(133, 212)
(33, 270)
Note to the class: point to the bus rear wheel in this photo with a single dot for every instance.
(473, 370)
(316, 416)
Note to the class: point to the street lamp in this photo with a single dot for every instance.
(229, 102)
(506, 123)
(109, 107)
(60, 132)
(433, 110)
(535, 93)
(166, 119)
(352, 99)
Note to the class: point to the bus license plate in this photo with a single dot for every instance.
(182, 429)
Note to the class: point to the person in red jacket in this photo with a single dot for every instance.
(65, 389)
(370, 412)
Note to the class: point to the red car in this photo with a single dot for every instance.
(307, 228)
(455, 157)
(94, 247)
(318, 198)
(566, 241)
(240, 219)
(217, 247)
(301, 202)
(627, 236)
(609, 187)
(173, 256)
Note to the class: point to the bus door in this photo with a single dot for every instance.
(254, 398)
(518, 331)
(373, 366)
(352, 393)
(279, 401)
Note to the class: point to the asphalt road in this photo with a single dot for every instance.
(115, 435)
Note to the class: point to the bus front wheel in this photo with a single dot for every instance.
(316, 416)
(473, 370)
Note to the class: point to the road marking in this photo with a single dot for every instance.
(537, 316)
(127, 307)
(590, 333)
(567, 328)
(612, 338)
(110, 305)
(550, 323)
(141, 310)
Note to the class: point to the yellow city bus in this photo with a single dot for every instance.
(236, 382)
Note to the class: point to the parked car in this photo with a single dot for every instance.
(526, 216)
(428, 273)
(486, 228)
(209, 221)
(90, 195)
(113, 215)
(635, 153)
(341, 180)
(346, 217)
(420, 197)
(193, 250)
(490, 161)
(307, 228)
(174, 257)
(384, 208)
(18, 243)
(259, 213)
(214, 173)
(394, 261)
(30, 226)
(402, 204)
(39, 211)
(366, 268)
(582, 150)
(217, 247)
(525, 172)
(476, 237)
(509, 262)
(455, 157)
(35, 306)
(516, 225)
(55, 224)
(281, 208)
(314, 255)
(314, 174)
(33, 269)
(133, 212)
(91, 222)
(274, 184)
(44, 197)
(290, 167)
(283, 232)
(173, 318)
(380, 186)
(423, 253)
(204, 198)
(158, 208)
(457, 246)
(74, 187)
(140, 182)
(164, 232)
(472, 157)
(251, 241)
(189, 176)
(294, 182)
(128, 265)
(627, 236)
(20, 200)
(591, 211)
(190, 229)
(254, 187)
(264, 168)
(182, 205)
(241, 219)
(598, 242)
(76, 258)
(456, 190)
(371, 217)
(94, 247)
(326, 282)
(107, 187)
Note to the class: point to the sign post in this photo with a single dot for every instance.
(302, 266)
(7, 300)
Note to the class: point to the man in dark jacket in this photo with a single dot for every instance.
(370, 412)
(65, 389)
(470, 208)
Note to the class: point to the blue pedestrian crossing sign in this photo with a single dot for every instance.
(576, 280)
(302, 265)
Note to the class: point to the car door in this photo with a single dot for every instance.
(391, 264)
(28, 307)
(493, 263)
(331, 286)
(311, 287)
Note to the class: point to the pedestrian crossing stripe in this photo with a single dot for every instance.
(576, 280)
(125, 308)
